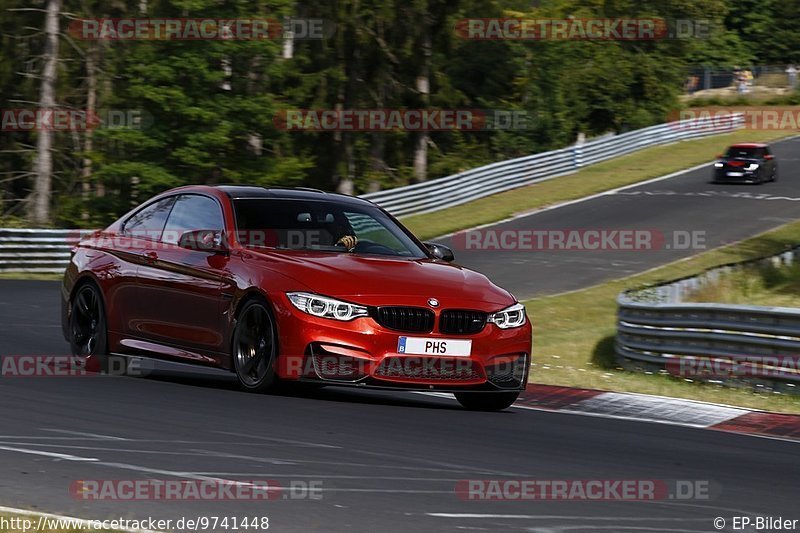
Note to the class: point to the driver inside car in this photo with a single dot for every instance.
(346, 235)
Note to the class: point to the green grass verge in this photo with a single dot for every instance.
(574, 332)
(766, 285)
(30, 276)
(633, 168)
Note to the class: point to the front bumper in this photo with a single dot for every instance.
(363, 353)
(736, 175)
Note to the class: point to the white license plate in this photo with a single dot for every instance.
(736, 174)
(420, 346)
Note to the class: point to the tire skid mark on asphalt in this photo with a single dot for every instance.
(202, 476)
(457, 467)
(277, 440)
(451, 467)
(715, 194)
(99, 449)
(36, 437)
(143, 441)
(83, 434)
(205, 453)
(329, 476)
(124, 466)
(424, 488)
(230, 478)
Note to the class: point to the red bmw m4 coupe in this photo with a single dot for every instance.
(293, 285)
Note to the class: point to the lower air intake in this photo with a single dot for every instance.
(429, 369)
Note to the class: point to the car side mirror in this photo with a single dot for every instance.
(204, 240)
(440, 251)
(769, 157)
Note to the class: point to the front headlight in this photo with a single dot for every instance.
(510, 317)
(325, 307)
(719, 165)
(752, 167)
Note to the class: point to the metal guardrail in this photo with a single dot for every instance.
(47, 251)
(36, 250)
(656, 326)
(491, 179)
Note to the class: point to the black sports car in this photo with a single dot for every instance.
(746, 163)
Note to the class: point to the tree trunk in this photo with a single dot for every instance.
(91, 106)
(424, 90)
(44, 140)
(377, 145)
(347, 184)
(346, 98)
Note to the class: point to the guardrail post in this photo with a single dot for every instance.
(577, 151)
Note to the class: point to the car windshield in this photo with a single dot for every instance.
(295, 224)
(745, 152)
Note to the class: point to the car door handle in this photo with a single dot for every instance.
(150, 257)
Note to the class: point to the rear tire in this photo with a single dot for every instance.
(254, 347)
(486, 401)
(88, 333)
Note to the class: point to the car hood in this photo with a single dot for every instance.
(369, 279)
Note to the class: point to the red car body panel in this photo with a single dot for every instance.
(170, 302)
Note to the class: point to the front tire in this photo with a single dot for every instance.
(486, 401)
(254, 347)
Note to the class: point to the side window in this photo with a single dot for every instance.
(149, 222)
(192, 212)
(366, 228)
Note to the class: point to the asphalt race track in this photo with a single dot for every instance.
(386, 462)
(686, 203)
(389, 462)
